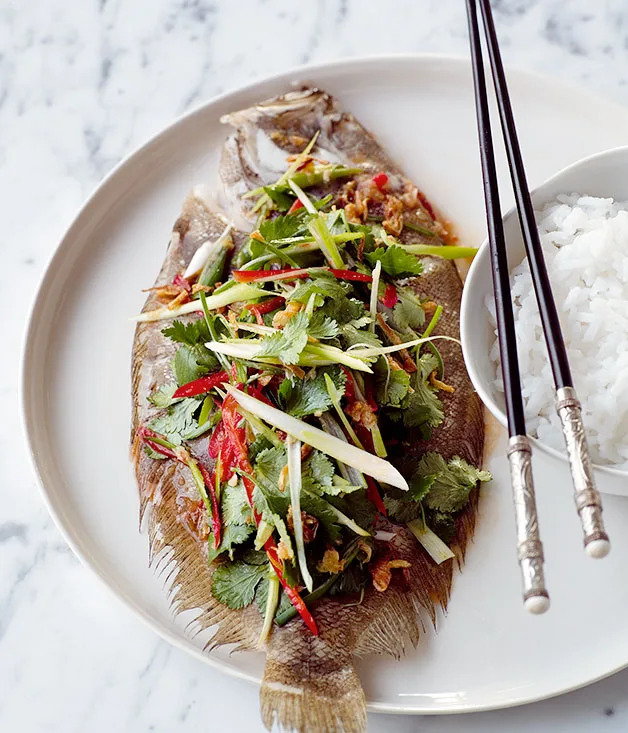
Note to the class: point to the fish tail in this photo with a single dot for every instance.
(316, 690)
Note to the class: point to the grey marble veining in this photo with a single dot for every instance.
(81, 84)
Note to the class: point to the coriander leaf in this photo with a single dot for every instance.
(177, 421)
(443, 524)
(323, 285)
(162, 397)
(234, 506)
(285, 391)
(369, 239)
(254, 557)
(405, 506)
(204, 357)
(396, 262)
(400, 509)
(419, 484)
(260, 443)
(408, 314)
(352, 580)
(351, 336)
(185, 367)
(234, 583)
(310, 395)
(342, 309)
(320, 509)
(423, 408)
(320, 468)
(287, 344)
(362, 321)
(322, 326)
(281, 227)
(261, 596)
(269, 500)
(281, 200)
(391, 385)
(269, 464)
(357, 506)
(189, 334)
(338, 487)
(233, 534)
(452, 482)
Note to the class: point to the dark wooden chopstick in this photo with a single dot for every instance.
(529, 547)
(586, 496)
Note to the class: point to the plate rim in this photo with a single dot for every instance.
(341, 66)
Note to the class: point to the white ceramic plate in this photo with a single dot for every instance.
(488, 653)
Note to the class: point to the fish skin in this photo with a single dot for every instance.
(310, 683)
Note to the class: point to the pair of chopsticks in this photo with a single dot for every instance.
(587, 498)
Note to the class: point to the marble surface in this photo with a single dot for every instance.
(81, 84)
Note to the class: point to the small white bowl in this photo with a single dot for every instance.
(601, 175)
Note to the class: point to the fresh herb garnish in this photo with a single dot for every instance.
(234, 583)
(177, 420)
(396, 262)
(308, 396)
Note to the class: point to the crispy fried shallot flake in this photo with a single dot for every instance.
(381, 572)
(331, 562)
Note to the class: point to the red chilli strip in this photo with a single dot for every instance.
(352, 275)
(216, 520)
(146, 434)
(368, 393)
(217, 441)
(380, 180)
(293, 595)
(373, 495)
(182, 282)
(287, 273)
(258, 394)
(295, 206)
(160, 449)
(426, 204)
(349, 385)
(390, 297)
(268, 306)
(199, 386)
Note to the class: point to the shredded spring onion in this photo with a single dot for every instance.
(271, 607)
(432, 543)
(312, 354)
(206, 250)
(293, 450)
(303, 198)
(326, 242)
(447, 252)
(349, 473)
(238, 292)
(334, 396)
(365, 353)
(366, 462)
(377, 271)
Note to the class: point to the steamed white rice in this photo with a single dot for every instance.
(585, 241)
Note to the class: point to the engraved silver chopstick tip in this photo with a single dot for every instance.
(529, 546)
(586, 496)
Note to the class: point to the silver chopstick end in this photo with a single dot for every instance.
(529, 546)
(587, 497)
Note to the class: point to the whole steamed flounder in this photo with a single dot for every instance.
(310, 683)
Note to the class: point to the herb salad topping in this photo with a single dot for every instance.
(292, 382)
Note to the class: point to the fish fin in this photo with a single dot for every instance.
(177, 557)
